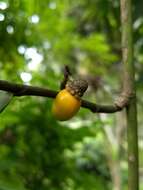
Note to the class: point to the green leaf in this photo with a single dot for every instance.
(5, 98)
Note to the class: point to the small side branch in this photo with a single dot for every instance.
(26, 90)
(67, 73)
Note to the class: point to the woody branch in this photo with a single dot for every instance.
(27, 90)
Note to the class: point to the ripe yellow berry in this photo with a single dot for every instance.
(68, 101)
(65, 105)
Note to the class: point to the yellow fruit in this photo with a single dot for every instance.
(65, 105)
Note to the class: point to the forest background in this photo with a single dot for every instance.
(37, 38)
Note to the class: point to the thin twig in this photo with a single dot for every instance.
(67, 73)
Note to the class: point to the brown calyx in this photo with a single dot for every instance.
(77, 87)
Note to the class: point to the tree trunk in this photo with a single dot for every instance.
(129, 88)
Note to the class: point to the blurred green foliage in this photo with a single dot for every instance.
(36, 39)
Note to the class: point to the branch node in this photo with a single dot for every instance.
(123, 100)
